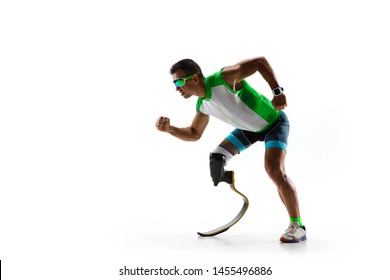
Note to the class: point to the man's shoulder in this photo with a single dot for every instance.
(215, 79)
(199, 104)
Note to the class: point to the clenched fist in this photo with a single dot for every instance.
(163, 124)
(279, 102)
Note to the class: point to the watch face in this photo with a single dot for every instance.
(278, 90)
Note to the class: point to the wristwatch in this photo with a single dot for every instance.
(277, 91)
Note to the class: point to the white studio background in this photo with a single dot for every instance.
(88, 185)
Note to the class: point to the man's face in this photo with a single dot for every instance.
(184, 84)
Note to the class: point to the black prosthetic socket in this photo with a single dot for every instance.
(217, 172)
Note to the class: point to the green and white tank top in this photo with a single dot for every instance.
(244, 108)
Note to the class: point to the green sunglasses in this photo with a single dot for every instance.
(182, 81)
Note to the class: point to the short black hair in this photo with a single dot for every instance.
(188, 66)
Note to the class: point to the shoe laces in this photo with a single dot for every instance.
(292, 228)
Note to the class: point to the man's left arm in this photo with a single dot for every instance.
(234, 74)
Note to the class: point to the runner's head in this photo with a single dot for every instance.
(187, 77)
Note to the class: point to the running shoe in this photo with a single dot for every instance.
(294, 233)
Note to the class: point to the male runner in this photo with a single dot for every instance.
(227, 96)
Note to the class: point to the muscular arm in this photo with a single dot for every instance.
(192, 133)
(234, 74)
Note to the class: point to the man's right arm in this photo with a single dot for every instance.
(192, 133)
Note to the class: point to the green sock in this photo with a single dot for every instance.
(297, 220)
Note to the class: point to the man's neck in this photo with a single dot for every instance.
(201, 92)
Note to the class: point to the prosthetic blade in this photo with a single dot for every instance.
(236, 218)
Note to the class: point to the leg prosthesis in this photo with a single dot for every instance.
(219, 174)
(217, 170)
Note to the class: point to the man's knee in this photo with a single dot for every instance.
(274, 166)
(276, 173)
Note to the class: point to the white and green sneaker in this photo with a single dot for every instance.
(294, 233)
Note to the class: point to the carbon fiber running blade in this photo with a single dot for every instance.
(235, 219)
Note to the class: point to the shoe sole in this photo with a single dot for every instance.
(303, 238)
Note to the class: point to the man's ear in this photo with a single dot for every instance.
(196, 78)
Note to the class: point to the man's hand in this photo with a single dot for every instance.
(163, 124)
(279, 102)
